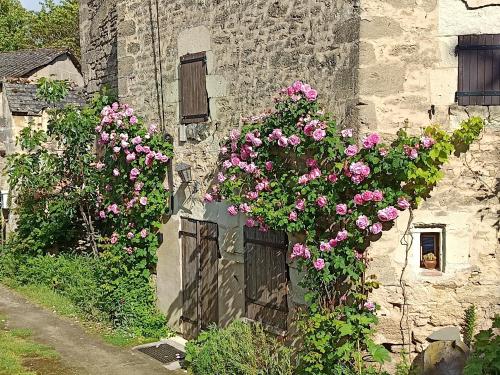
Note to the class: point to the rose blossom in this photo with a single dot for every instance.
(244, 207)
(325, 246)
(269, 166)
(133, 120)
(282, 141)
(114, 238)
(341, 209)
(116, 172)
(387, 214)
(332, 177)
(250, 222)
(136, 140)
(134, 173)
(221, 177)
(378, 196)
(276, 134)
(376, 228)
(319, 264)
(130, 235)
(358, 199)
(321, 201)
(351, 150)
(130, 157)
(403, 203)
(300, 204)
(294, 140)
(362, 222)
(208, 198)
(232, 210)
(99, 166)
(346, 133)
(144, 233)
(383, 152)
(371, 140)
(370, 306)
(427, 142)
(102, 214)
(234, 134)
(367, 196)
(341, 235)
(116, 149)
(143, 201)
(314, 173)
(252, 195)
(333, 242)
(304, 179)
(319, 134)
(300, 250)
(113, 208)
(292, 216)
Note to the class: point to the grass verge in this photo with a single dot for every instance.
(46, 297)
(16, 347)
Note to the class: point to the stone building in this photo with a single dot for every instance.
(379, 65)
(19, 106)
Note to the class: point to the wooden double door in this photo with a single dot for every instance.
(200, 259)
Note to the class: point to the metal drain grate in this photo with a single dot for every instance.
(164, 353)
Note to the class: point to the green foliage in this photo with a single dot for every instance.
(239, 349)
(469, 324)
(485, 358)
(54, 26)
(51, 91)
(404, 366)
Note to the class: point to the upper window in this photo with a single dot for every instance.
(478, 69)
(193, 88)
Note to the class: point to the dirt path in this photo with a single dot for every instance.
(81, 353)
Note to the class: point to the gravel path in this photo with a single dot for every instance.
(80, 352)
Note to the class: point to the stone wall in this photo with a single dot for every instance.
(407, 65)
(98, 39)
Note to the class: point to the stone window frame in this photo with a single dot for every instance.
(415, 259)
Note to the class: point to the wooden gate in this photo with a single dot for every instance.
(266, 277)
(200, 254)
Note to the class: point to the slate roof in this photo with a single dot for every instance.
(23, 63)
(22, 98)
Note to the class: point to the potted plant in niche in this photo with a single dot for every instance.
(430, 261)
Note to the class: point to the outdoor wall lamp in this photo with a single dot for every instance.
(184, 171)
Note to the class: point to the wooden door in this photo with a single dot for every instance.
(200, 254)
(266, 277)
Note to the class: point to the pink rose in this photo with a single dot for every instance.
(143, 201)
(387, 214)
(304, 179)
(232, 210)
(346, 133)
(104, 137)
(223, 150)
(138, 186)
(403, 203)
(133, 120)
(252, 195)
(130, 157)
(351, 150)
(333, 242)
(319, 134)
(227, 164)
(294, 140)
(300, 251)
(208, 198)
(297, 86)
(292, 216)
(311, 95)
(116, 172)
(332, 177)
(244, 207)
(234, 134)
(136, 140)
(300, 204)
(282, 141)
(134, 173)
(144, 233)
(250, 222)
(341, 235)
(371, 140)
(221, 177)
(235, 161)
(269, 166)
(130, 235)
(378, 196)
(367, 196)
(325, 246)
(114, 238)
(276, 134)
(341, 209)
(99, 166)
(311, 163)
(376, 228)
(358, 199)
(427, 142)
(319, 264)
(321, 201)
(102, 214)
(370, 306)
(362, 222)
(314, 173)
(116, 149)
(383, 152)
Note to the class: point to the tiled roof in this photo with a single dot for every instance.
(22, 98)
(22, 63)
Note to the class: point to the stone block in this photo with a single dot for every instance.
(382, 80)
(216, 86)
(379, 27)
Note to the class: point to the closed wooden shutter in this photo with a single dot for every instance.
(194, 98)
(266, 277)
(478, 69)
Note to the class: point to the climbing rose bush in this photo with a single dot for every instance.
(130, 172)
(293, 169)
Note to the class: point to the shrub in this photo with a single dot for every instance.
(239, 349)
(469, 324)
(485, 358)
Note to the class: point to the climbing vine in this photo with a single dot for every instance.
(293, 169)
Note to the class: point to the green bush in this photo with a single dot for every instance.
(485, 357)
(130, 306)
(239, 349)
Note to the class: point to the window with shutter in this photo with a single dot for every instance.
(194, 98)
(478, 69)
